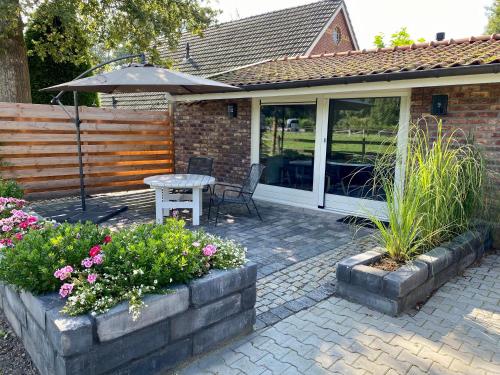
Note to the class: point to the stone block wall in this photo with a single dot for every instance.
(395, 292)
(189, 320)
(204, 129)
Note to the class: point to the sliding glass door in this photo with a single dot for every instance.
(361, 132)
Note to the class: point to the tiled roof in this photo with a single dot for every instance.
(286, 32)
(359, 65)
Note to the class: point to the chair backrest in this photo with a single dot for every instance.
(200, 165)
(253, 178)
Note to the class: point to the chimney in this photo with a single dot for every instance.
(440, 36)
(187, 57)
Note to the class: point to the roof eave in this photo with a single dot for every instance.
(395, 76)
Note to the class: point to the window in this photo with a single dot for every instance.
(287, 140)
(337, 36)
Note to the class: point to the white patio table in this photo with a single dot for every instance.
(165, 200)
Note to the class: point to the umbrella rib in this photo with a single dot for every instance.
(188, 90)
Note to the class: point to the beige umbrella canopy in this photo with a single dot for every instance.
(143, 78)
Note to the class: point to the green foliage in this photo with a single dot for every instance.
(45, 70)
(399, 38)
(113, 25)
(145, 259)
(10, 188)
(444, 185)
(30, 265)
(493, 13)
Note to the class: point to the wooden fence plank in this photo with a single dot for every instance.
(120, 148)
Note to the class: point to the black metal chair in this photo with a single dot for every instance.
(197, 165)
(237, 194)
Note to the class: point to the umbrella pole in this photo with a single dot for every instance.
(79, 144)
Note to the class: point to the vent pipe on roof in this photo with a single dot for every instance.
(187, 57)
(440, 36)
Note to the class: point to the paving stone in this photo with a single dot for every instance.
(269, 318)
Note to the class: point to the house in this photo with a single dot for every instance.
(320, 27)
(349, 107)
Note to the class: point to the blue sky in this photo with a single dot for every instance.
(458, 18)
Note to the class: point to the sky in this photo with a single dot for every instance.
(457, 18)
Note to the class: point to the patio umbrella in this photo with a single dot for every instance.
(131, 78)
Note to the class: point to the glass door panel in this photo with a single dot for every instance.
(359, 132)
(287, 143)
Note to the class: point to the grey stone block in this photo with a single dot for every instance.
(39, 348)
(2, 294)
(16, 305)
(69, 335)
(231, 327)
(13, 321)
(345, 266)
(77, 365)
(268, 318)
(466, 261)
(362, 296)
(249, 297)
(196, 318)
(400, 282)
(220, 283)
(445, 275)
(112, 354)
(118, 321)
(367, 277)
(37, 306)
(437, 259)
(159, 361)
(417, 295)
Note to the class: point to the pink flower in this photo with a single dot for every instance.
(63, 273)
(95, 250)
(6, 242)
(65, 290)
(91, 278)
(98, 259)
(107, 239)
(18, 236)
(23, 225)
(87, 262)
(32, 219)
(6, 228)
(209, 250)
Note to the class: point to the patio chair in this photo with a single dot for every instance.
(197, 165)
(237, 194)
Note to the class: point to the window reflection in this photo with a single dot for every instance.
(287, 140)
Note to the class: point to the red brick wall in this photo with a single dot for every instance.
(473, 108)
(326, 44)
(204, 129)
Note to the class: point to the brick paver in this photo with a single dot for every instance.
(456, 332)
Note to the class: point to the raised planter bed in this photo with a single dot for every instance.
(172, 327)
(402, 289)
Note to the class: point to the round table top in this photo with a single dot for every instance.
(179, 180)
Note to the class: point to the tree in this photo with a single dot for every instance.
(399, 38)
(106, 25)
(493, 13)
(47, 72)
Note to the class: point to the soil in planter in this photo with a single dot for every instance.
(387, 264)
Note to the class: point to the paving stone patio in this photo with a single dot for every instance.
(303, 328)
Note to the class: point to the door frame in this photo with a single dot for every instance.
(358, 206)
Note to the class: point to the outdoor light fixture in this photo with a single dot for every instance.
(439, 105)
(232, 110)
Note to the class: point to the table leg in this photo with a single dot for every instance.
(166, 198)
(196, 206)
(159, 208)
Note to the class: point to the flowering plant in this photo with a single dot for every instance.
(14, 222)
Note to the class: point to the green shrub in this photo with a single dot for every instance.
(96, 270)
(10, 188)
(443, 192)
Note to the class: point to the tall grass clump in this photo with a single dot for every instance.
(440, 194)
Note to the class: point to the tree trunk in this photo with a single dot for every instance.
(14, 72)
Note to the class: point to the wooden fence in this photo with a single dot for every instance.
(120, 148)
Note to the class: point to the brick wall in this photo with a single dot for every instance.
(204, 129)
(473, 108)
(326, 44)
